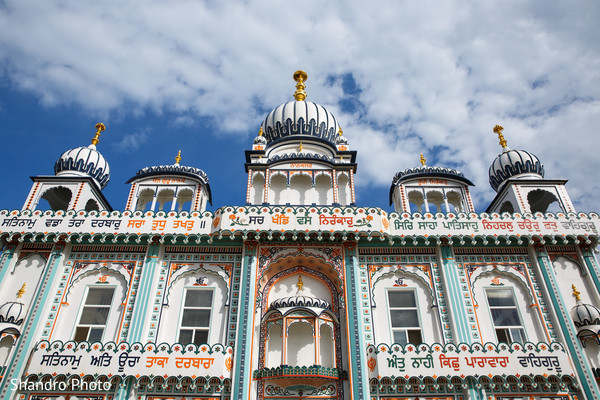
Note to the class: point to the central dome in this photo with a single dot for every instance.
(300, 119)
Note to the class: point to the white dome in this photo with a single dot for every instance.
(300, 119)
(514, 164)
(84, 161)
(11, 313)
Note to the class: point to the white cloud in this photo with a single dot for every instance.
(430, 73)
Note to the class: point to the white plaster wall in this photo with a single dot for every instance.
(326, 347)
(300, 345)
(286, 286)
(277, 187)
(568, 273)
(430, 329)
(324, 188)
(273, 347)
(26, 270)
(170, 321)
(294, 148)
(532, 324)
(69, 313)
(6, 344)
(344, 198)
(257, 189)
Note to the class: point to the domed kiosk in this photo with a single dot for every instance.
(426, 189)
(80, 174)
(300, 156)
(518, 177)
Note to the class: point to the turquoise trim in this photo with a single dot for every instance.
(123, 391)
(243, 362)
(456, 306)
(142, 297)
(25, 342)
(580, 361)
(357, 357)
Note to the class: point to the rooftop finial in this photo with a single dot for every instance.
(300, 285)
(260, 131)
(300, 147)
(498, 130)
(178, 158)
(21, 291)
(99, 128)
(422, 160)
(576, 293)
(300, 76)
(340, 131)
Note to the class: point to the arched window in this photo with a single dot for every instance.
(300, 184)
(257, 191)
(508, 207)
(277, 188)
(343, 190)
(56, 198)
(184, 199)
(145, 199)
(165, 200)
(91, 205)
(416, 201)
(324, 188)
(540, 200)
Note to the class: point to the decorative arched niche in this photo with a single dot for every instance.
(300, 324)
(195, 301)
(505, 283)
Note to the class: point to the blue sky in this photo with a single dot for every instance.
(402, 77)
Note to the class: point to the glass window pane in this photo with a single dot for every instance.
(400, 337)
(503, 336)
(94, 315)
(414, 337)
(500, 297)
(200, 337)
(185, 336)
(198, 298)
(505, 317)
(100, 296)
(517, 335)
(81, 333)
(193, 317)
(95, 334)
(402, 299)
(404, 318)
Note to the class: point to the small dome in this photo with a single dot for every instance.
(84, 161)
(300, 301)
(260, 140)
(302, 119)
(514, 164)
(11, 313)
(586, 316)
(428, 171)
(341, 140)
(174, 169)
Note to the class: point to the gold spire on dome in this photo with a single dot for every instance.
(300, 284)
(340, 131)
(260, 131)
(21, 291)
(178, 158)
(300, 76)
(99, 128)
(422, 160)
(300, 147)
(498, 130)
(576, 293)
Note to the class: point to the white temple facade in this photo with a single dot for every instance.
(296, 292)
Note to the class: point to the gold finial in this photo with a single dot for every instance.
(300, 76)
(340, 131)
(576, 293)
(178, 158)
(300, 147)
(300, 285)
(99, 128)
(498, 130)
(21, 291)
(260, 132)
(422, 160)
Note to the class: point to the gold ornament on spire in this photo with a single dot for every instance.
(498, 130)
(260, 131)
(576, 293)
(21, 291)
(300, 77)
(300, 285)
(99, 128)
(422, 160)
(178, 157)
(300, 147)
(340, 131)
